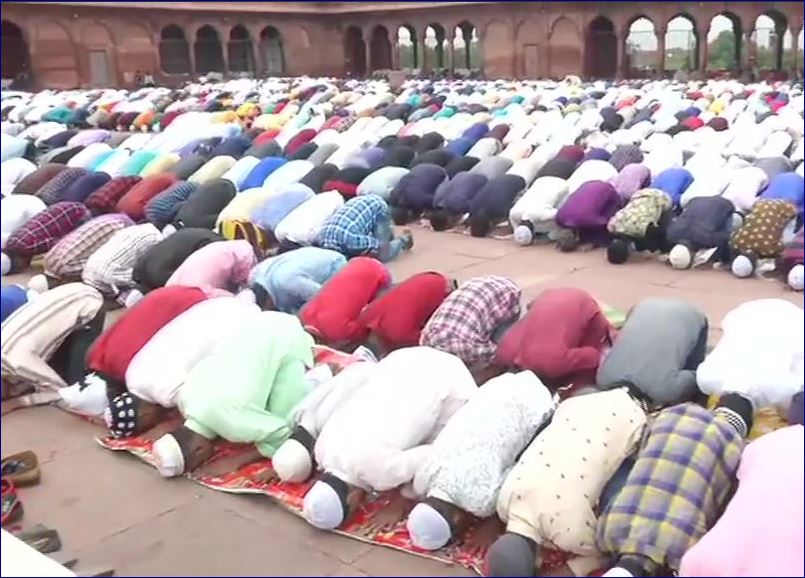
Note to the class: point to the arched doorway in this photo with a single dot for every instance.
(273, 51)
(466, 47)
(641, 49)
(435, 43)
(407, 48)
(174, 53)
(724, 43)
(208, 50)
(355, 51)
(380, 49)
(601, 49)
(16, 56)
(564, 56)
(767, 40)
(681, 44)
(239, 50)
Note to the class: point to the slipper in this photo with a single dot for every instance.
(21, 469)
(45, 540)
(12, 506)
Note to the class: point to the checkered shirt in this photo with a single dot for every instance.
(464, 322)
(110, 268)
(67, 258)
(351, 228)
(45, 229)
(105, 198)
(676, 489)
(162, 209)
(50, 191)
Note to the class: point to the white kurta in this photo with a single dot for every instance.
(303, 224)
(380, 437)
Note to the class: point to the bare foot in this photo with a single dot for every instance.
(482, 536)
(387, 518)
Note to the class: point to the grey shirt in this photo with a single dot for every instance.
(653, 351)
(492, 167)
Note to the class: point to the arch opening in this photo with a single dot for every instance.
(641, 49)
(208, 50)
(174, 52)
(601, 49)
(239, 50)
(272, 50)
(681, 44)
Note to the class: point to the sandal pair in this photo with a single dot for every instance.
(11, 504)
(21, 469)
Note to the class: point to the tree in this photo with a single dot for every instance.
(721, 53)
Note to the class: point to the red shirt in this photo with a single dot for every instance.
(112, 352)
(399, 316)
(561, 338)
(333, 314)
(133, 202)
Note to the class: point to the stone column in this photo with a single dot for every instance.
(748, 55)
(660, 32)
(621, 68)
(796, 26)
(367, 44)
(702, 49)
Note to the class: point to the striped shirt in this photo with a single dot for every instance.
(32, 334)
(109, 269)
(45, 229)
(677, 488)
(49, 192)
(105, 198)
(463, 324)
(351, 228)
(162, 209)
(67, 258)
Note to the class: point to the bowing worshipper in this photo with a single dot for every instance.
(160, 261)
(705, 223)
(262, 171)
(744, 186)
(763, 234)
(15, 211)
(562, 338)
(219, 269)
(396, 318)
(379, 438)
(382, 181)
(674, 181)
(264, 366)
(788, 187)
(13, 172)
(104, 199)
(43, 344)
(641, 223)
(40, 233)
(414, 193)
(202, 207)
(586, 213)
(471, 320)
(453, 198)
(270, 213)
(362, 226)
(110, 355)
(550, 498)
(161, 209)
(468, 462)
(288, 281)
(238, 172)
(187, 166)
(493, 202)
(12, 297)
(657, 351)
(320, 176)
(303, 225)
(768, 502)
(294, 460)
(154, 379)
(665, 507)
(790, 263)
(346, 181)
(631, 179)
(534, 214)
(592, 170)
(492, 167)
(37, 179)
(50, 191)
(332, 315)
(460, 165)
(110, 268)
(133, 203)
(162, 163)
(66, 259)
(80, 189)
(760, 354)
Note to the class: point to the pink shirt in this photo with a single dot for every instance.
(217, 268)
(762, 530)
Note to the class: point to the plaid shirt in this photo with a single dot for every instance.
(464, 322)
(50, 191)
(105, 198)
(67, 257)
(676, 489)
(110, 268)
(351, 229)
(44, 230)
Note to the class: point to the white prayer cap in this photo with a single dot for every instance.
(523, 235)
(30, 294)
(168, 457)
(742, 267)
(680, 257)
(133, 298)
(322, 507)
(796, 278)
(428, 528)
(292, 462)
(618, 572)
(5, 264)
(38, 283)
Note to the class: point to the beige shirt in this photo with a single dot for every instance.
(551, 494)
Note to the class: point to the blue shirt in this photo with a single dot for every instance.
(351, 228)
(260, 173)
(268, 215)
(787, 186)
(12, 297)
(292, 278)
(674, 182)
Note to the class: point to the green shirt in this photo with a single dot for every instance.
(244, 391)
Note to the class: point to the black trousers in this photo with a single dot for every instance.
(70, 360)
